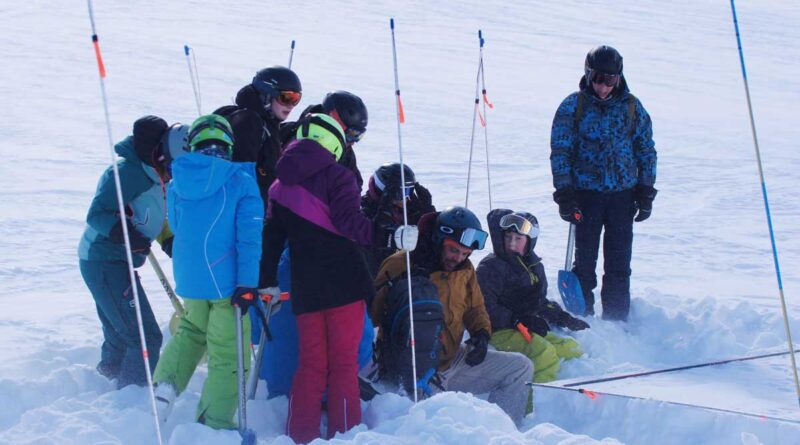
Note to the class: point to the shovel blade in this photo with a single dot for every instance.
(571, 293)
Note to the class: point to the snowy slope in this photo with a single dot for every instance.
(704, 284)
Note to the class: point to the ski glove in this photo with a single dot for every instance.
(643, 196)
(568, 208)
(244, 297)
(574, 324)
(480, 345)
(271, 296)
(535, 324)
(405, 237)
(139, 242)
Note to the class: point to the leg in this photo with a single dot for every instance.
(587, 244)
(617, 242)
(113, 349)
(310, 379)
(345, 325)
(132, 371)
(220, 393)
(186, 348)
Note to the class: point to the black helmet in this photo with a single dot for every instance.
(461, 225)
(604, 59)
(386, 179)
(269, 82)
(350, 107)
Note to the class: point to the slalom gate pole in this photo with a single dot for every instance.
(475, 114)
(132, 275)
(678, 368)
(400, 120)
(766, 205)
(291, 55)
(484, 120)
(193, 75)
(595, 395)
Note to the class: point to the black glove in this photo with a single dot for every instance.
(643, 196)
(139, 242)
(424, 202)
(480, 344)
(573, 324)
(567, 205)
(166, 245)
(244, 297)
(535, 324)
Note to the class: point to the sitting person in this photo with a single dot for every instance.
(514, 287)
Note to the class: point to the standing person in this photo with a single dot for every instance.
(103, 261)
(216, 213)
(446, 240)
(603, 160)
(514, 287)
(314, 204)
(383, 204)
(261, 107)
(351, 114)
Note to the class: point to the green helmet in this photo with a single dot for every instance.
(325, 131)
(207, 130)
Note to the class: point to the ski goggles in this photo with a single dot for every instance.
(289, 98)
(520, 225)
(353, 135)
(609, 80)
(472, 238)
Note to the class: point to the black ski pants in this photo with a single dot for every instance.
(611, 214)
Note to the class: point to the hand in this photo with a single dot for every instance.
(405, 238)
(166, 245)
(425, 199)
(567, 205)
(139, 242)
(535, 324)
(480, 345)
(643, 196)
(574, 324)
(244, 297)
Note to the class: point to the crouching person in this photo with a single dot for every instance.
(216, 213)
(514, 287)
(446, 241)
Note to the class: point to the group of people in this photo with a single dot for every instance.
(250, 207)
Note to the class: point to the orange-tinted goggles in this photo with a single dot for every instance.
(289, 98)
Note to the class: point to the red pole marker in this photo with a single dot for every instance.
(100, 66)
(486, 100)
(524, 331)
(590, 394)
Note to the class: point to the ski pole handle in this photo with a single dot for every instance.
(524, 331)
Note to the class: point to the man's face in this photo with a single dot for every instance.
(453, 254)
(280, 110)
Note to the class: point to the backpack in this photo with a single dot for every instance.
(394, 347)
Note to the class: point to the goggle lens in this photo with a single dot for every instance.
(519, 225)
(289, 98)
(609, 80)
(353, 135)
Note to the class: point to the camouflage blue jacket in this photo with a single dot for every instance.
(607, 149)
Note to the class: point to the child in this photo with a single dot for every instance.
(216, 213)
(514, 288)
(103, 260)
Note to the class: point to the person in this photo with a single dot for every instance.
(603, 160)
(216, 214)
(261, 107)
(383, 204)
(314, 205)
(101, 251)
(446, 240)
(351, 114)
(514, 287)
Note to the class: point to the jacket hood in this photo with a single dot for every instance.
(301, 160)
(498, 243)
(197, 176)
(250, 99)
(621, 91)
(125, 150)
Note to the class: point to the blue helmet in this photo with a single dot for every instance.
(461, 225)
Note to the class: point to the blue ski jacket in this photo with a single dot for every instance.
(143, 196)
(607, 149)
(216, 213)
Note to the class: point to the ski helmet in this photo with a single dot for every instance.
(461, 225)
(325, 131)
(351, 110)
(522, 223)
(148, 131)
(211, 130)
(605, 59)
(386, 179)
(269, 82)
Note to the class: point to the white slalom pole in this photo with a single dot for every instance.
(194, 76)
(401, 119)
(475, 113)
(485, 119)
(766, 207)
(129, 255)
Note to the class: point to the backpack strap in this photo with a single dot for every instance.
(578, 111)
(632, 118)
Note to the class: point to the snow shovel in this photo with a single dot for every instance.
(175, 319)
(568, 285)
(252, 382)
(248, 436)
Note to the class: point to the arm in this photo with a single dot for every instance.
(562, 142)
(104, 211)
(492, 286)
(249, 221)
(274, 238)
(644, 147)
(345, 208)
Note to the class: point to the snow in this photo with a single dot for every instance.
(703, 278)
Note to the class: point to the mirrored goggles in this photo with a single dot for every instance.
(519, 225)
(609, 80)
(353, 135)
(289, 98)
(472, 238)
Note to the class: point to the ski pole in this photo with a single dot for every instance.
(194, 76)
(766, 205)
(291, 55)
(400, 120)
(162, 277)
(248, 436)
(485, 119)
(252, 381)
(117, 183)
(677, 368)
(595, 395)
